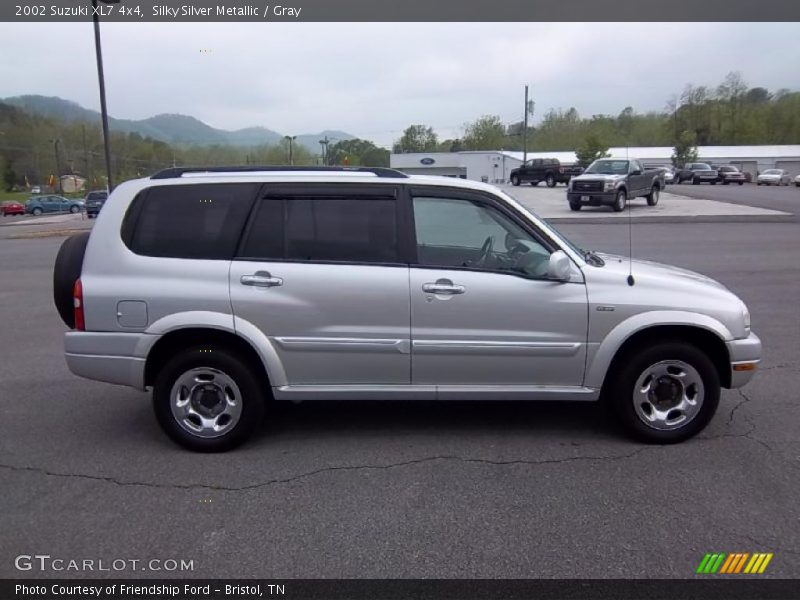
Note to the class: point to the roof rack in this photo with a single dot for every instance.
(180, 171)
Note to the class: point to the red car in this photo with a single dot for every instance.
(12, 208)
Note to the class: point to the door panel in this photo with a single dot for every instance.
(330, 324)
(320, 272)
(482, 311)
(502, 330)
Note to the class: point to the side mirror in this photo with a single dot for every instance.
(559, 267)
(636, 172)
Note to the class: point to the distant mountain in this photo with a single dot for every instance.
(170, 128)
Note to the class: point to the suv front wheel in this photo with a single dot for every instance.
(666, 393)
(207, 399)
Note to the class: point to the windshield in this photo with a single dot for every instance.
(772, 172)
(608, 167)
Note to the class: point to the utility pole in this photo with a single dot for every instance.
(58, 166)
(525, 130)
(290, 139)
(102, 81)
(324, 143)
(85, 153)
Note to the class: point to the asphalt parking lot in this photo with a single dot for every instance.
(426, 490)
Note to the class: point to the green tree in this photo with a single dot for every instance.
(417, 138)
(590, 150)
(486, 133)
(685, 150)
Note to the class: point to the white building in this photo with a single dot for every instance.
(496, 166)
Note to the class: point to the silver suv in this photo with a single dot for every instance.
(225, 289)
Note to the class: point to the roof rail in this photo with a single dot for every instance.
(179, 171)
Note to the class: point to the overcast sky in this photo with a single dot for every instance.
(374, 79)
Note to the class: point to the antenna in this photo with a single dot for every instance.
(630, 279)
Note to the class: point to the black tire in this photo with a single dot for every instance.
(653, 196)
(576, 206)
(550, 180)
(797, 184)
(514, 180)
(695, 182)
(741, 183)
(623, 381)
(713, 183)
(236, 368)
(620, 201)
(74, 209)
(37, 211)
(66, 270)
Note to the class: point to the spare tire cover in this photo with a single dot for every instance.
(66, 270)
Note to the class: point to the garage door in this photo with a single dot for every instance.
(746, 166)
(793, 166)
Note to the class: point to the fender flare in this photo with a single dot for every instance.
(597, 369)
(223, 322)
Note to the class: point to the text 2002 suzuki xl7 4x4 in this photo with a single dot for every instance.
(225, 289)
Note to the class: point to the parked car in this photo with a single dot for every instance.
(729, 174)
(613, 182)
(226, 291)
(668, 170)
(94, 202)
(36, 190)
(549, 170)
(774, 177)
(703, 173)
(12, 207)
(52, 204)
(797, 181)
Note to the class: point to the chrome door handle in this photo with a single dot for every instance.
(261, 279)
(443, 286)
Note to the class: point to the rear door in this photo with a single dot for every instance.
(483, 312)
(321, 273)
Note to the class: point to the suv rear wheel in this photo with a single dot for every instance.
(666, 392)
(550, 180)
(208, 399)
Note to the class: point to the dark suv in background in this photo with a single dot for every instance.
(549, 170)
(94, 202)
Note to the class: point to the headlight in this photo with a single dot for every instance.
(610, 185)
(746, 318)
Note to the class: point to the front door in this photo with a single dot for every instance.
(320, 274)
(483, 312)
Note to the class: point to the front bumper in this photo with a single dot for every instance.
(745, 355)
(111, 357)
(592, 198)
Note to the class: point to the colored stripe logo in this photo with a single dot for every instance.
(734, 563)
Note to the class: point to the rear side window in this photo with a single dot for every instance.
(362, 230)
(190, 221)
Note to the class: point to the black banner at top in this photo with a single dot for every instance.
(140, 11)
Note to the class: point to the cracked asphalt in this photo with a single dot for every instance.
(449, 490)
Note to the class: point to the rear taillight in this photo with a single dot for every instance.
(77, 303)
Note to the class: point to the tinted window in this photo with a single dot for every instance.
(461, 233)
(324, 229)
(191, 221)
